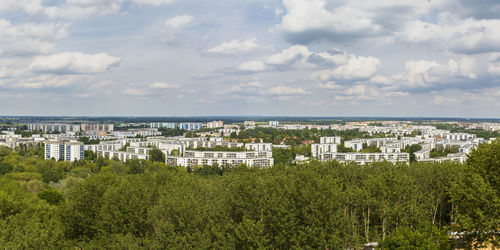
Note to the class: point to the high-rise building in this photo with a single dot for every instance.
(64, 151)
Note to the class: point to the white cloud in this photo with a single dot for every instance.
(355, 68)
(74, 63)
(441, 100)
(329, 85)
(467, 36)
(284, 91)
(494, 66)
(74, 9)
(235, 47)
(135, 91)
(164, 85)
(43, 81)
(29, 38)
(289, 56)
(247, 87)
(178, 21)
(152, 2)
(252, 66)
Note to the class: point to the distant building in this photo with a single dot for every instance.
(190, 125)
(95, 129)
(215, 124)
(64, 151)
(330, 139)
(274, 123)
(249, 123)
(222, 158)
(363, 158)
(52, 127)
(171, 125)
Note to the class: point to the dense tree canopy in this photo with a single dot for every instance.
(144, 204)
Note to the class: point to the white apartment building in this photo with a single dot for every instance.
(330, 140)
(259, 146)
(73, 151)
(460, 157)
(122, 156)
(249, 123)
(363, 158)
(64, 151)
(459, 136)
(171, 125)
(357, 145)
(320, 148)
(422, 154)
(51, 127)
(222, 158)
(390, 149)
(274, 123)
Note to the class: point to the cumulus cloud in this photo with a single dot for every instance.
(235, 47)
(178, 21)
(152, 2)
(74, 9)
(283, 90)
(422, 75)
(355, 68)
(29, 38)
(341, 21)
(244, 88)
(74, 63)
(467, 36)
(289, 56)
(252, 66)
(329, 85)
(164, 85)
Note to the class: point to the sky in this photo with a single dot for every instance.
(405, 58)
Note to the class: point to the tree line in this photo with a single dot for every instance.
(103, 203)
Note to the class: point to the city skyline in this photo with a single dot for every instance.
(250, 58)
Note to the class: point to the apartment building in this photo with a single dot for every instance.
(52, 127)
(249, 124)
(222, 158)
(95, 129)
(215, 124)
(122, 156)
(259, 146)
(64, 151)
(363, 158)
(274, 123)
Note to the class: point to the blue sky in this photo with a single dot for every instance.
(261, 57)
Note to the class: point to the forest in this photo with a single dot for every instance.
(100, 203)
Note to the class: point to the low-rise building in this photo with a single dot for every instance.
(222, 158)
(363, 158)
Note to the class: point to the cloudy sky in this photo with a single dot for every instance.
(250, 57)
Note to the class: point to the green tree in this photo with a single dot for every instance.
(156, 155)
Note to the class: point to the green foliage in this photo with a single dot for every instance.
(156, 155)
(283, 156)
(486, 162)
(411, 150)
(435, 153)
(50, 196)
(406, 238)
(87, 141)
(143, 204)
(370, 149)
